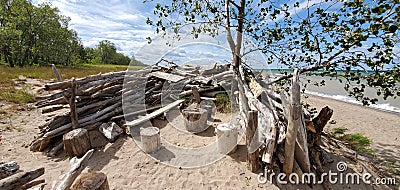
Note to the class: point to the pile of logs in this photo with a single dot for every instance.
(95, 101)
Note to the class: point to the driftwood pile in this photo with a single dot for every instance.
(281, 136)
(97, 100)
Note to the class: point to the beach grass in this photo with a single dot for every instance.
(357, 141)
(9, 93)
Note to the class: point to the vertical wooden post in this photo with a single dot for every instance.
(58, 76)
(72, 104)
(293, 125)
(252, 124)
(196, 95)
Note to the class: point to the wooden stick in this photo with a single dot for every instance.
(33, 183)
(58, 76)
(72, 104)
(154, 114)
(196, 94)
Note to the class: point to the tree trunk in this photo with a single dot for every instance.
(76, 142)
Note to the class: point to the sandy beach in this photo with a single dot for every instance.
(127, 167)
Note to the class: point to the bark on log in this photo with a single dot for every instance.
(18, 180)
(252, 157)
(76, 142)
(150, 138)
(91, 181)
(76, 167)
(196, 94)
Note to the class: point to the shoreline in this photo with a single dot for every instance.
(352, 103)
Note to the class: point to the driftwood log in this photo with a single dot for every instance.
(76, 167)
(314, 142)
(76, 142)
(8, 169)
(17, 181)
(253, 163)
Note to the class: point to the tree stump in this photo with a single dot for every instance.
(227, 136)
(92, 181)
(195, 120)
(76, 142)
(210, 107)
(150, 138)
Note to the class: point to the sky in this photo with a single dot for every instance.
(122, 22)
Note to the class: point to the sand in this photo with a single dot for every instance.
(127, 167)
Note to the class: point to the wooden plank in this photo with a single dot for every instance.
(167, 76)
(153, 114)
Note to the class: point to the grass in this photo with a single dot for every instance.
(223, 103)
(8, 92)
(18, 96)
(357, 141)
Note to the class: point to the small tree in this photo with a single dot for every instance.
(355, 41)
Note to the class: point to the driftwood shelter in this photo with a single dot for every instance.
(279, 133)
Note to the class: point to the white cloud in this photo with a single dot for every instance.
(122, 22)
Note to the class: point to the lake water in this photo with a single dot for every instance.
(335, 90)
